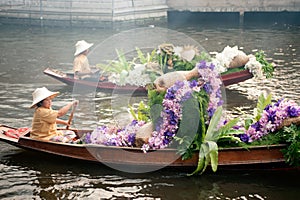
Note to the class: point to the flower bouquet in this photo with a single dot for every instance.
(204, 98)
(145, 68)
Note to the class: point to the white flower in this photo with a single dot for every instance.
(177, 51)
(227, 55)
(114, 78)
(254, 67)
(219, 67)
(123, 76)
(136, 76)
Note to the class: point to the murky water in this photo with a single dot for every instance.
(27, 51)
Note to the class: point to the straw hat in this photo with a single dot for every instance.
(40, 94)
(81, 46)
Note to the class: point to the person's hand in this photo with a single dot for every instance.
(75, 102)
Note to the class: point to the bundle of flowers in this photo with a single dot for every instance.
(271, 119)
(209, 81)
(113, 136)
(212, 127)
(144, 69)
(137, 76)
(171, 114)
(231, 58)
(225, 58)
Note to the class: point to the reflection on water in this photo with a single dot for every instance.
(68, 179)
(26, 51)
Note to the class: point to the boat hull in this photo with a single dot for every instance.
(68, 78)
(132, 159)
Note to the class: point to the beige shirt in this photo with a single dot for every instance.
(44, 124)
(81, 64)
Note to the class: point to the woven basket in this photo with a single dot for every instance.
(238, 61)
(290, 121)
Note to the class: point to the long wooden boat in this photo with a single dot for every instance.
(105, 86)
(132, 159)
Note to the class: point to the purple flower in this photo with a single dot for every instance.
(193, 83)
(220, 103)
(219, 94)
(212, 67)
(134, 122)
(131, 138)
(236, 127)
(272, 116)
(170, 94)
(207, 87)
(211, 112)
(178, 85)
(268, 107)
(244, 137)
(168, 134)
(166, 141)
(202, 65)
(293, 112)
(278, 102)
(187, 96)
(87, 138)
(256, 126)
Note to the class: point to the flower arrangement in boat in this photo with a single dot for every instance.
(143, 69)
(232, 59)
(206, 94)
(208, 84)
(114, 136)
(206, 90)
(275, 123)
(271, 119)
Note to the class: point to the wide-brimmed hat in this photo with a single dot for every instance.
(40, 94)
(81, 46)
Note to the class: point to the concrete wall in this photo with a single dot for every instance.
(78, 12)
(233, 5)
(107, 12)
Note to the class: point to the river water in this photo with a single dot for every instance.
(27, 51)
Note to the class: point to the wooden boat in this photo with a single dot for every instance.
(132, 159)
(105, 86)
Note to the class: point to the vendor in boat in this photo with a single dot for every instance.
(45, 120)
(81, 66)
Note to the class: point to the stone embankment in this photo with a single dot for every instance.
(110, 12)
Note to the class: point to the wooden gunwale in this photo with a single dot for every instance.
(130, 156)
(68, 78)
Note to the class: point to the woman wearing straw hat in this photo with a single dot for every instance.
(45, 119)
(81, 66)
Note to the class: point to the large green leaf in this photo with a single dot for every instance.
(201, 161)
(261, 104)
(214, 156)
(212, 128)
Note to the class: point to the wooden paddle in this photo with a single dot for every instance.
(71, 115)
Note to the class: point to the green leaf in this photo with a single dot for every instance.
(228, 125)
(131, 111)
(210, 134)
(141, 56)
(214, 158)
(267, 67)
(201, 161)
(261, 104)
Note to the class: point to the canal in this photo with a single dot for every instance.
(26, 51)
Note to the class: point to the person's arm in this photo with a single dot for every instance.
(60, 121)
(77, 73)
(65, 109)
